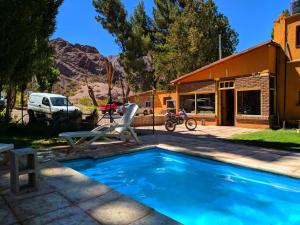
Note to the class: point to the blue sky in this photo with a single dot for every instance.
(252, 19)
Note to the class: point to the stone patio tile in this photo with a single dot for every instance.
(260, 165)
(93, 203)
(36, 206)
(86, 192)
(65, 216)
(6, 215)
(44, 188)
(155, 218)
(120, 211)
(296, 173)
(63, 178)
(4, 180)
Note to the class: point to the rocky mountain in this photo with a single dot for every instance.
(82, 64)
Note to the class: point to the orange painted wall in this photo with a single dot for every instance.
(259, 60)
(285, 32)
(160, 107)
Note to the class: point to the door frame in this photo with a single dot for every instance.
(220, 94)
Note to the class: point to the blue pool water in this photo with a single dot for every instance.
(197, 191)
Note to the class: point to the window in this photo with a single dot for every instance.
(223, 85)
(148, 104)
(166, 99)
(298, 36)
(206, 103)
(171, 104)
(249, 102)
(59, 101)
(187, 102)
(46, 102)
(298, 100)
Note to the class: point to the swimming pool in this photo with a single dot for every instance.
(196, 191)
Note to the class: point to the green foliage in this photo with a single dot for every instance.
(2, 115)
(137, 57)
(132, 36)
(85, 101)
(34, 136)
(46, 76)
(112, 15)
(182, 37)
(25, 29)
(192, 40)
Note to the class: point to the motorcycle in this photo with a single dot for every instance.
(178, 119)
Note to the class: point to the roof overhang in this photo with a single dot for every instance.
(271, 42)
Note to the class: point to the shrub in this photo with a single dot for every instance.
(86, 101)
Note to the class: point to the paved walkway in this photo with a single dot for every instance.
(66, 197)
(200, 132)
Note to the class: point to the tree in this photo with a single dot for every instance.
(192, 40)
(112, 16)
(132, 36)
(182, 37)
(24, 33)
(47, 77)
(137, 58)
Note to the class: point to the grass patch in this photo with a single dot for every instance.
(33, 137)
(20, 141)
(277, 139)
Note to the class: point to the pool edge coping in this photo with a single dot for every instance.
(152, 212)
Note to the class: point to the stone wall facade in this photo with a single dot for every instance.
(259, 82)
(242, 83)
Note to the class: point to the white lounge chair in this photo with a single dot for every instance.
(111, 129)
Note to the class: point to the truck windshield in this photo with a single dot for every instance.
(57, 101)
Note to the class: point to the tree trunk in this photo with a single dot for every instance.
(127, 92)
(123, 92)
(11, 99)
(92, 96)
(110, 102)
(22, 102)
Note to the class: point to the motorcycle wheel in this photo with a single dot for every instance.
(170, 126)
(191, 124)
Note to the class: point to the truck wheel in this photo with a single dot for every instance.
(32, 117)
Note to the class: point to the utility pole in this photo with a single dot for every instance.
(220, 46)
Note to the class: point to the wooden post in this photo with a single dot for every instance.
(217, 101)
(177, 99)
(153, 111)
(195, 103)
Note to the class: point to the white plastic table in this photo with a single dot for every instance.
(4, 149)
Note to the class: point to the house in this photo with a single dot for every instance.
(163, 100)
(257, 88)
